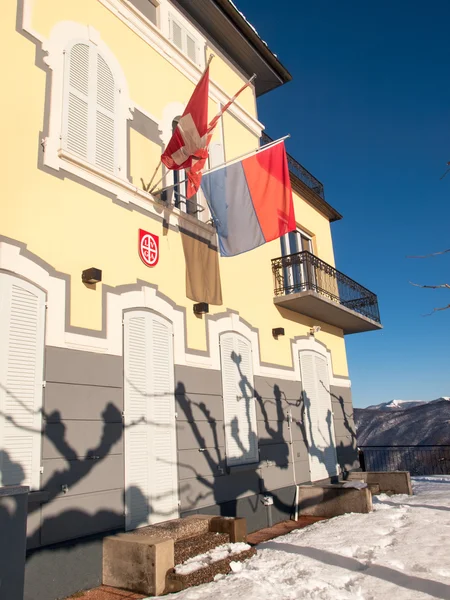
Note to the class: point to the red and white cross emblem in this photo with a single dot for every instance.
(148, 248)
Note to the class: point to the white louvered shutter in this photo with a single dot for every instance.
(238, 400)
(105, 117)
(22, 323)
(137, 434)
(164, 494)
(90, 121)
(150, 440)
(77, 128)
(318, 415)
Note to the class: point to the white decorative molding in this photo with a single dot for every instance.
(14, 259)
(158, 39)
(63, 35)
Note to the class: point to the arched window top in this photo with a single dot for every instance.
(90, 119)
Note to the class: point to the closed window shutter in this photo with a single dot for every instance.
(326, 415)
(150, 438)
(164, 478)
(137, 392)
(238, 400)
(22, 317)
(319, 422)
(191, 48)
(91, 104)
(77, 120)
(105, 127)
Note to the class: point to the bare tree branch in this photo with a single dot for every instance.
(432, 287)
(432, 254)
(437, 309)
(447, 171)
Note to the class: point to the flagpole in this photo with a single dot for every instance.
(147, 188)
(227, 164)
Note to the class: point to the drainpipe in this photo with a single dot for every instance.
(294, 476)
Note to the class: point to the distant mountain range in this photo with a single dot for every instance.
(404, 423)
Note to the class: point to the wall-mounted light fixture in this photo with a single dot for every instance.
(91, 275)
(201, 308)
(314, 329)
(277, 331)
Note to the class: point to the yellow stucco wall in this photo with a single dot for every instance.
(72, 227)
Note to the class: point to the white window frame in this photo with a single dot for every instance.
(186, 30)
(62, 37)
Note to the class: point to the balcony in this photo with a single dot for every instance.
(309, 286)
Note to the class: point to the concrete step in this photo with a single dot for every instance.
(141, 560)
(176, 582)
(177, 529)
(193, 546)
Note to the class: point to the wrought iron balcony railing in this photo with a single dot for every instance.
(299, 171)
(303, 272)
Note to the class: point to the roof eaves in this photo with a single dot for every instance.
(247, 29)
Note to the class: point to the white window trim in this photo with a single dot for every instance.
(158, 39)
(154, 37)
(60, 40)
(200, 44)
(14, 260)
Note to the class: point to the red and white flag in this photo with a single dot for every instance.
(188, 146)
(190, 134)
(199, 161)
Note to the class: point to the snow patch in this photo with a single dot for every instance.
(203, 560)
(359, 485)
(398, 551)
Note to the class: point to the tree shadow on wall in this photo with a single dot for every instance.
(221, 484)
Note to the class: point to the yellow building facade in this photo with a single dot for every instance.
(91, 92)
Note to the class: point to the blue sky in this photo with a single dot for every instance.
(369, 113)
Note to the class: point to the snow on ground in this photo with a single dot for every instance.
(401, 551)
(203, 560)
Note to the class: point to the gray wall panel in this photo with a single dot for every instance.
(275, 454)
(344, 428)
(275, 432)
(70, 401)
(341, 394)
(197, 381)
(347, 453)
(78, 366)
(83, 437)
(203, 434)
(266, 387)
(253, 509)
(196, 493)
(83, 476)
(192, 463)
(71, 517)
(60, 571)
(199, 407)
(276, 477)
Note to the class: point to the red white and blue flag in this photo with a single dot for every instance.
(251, 200)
